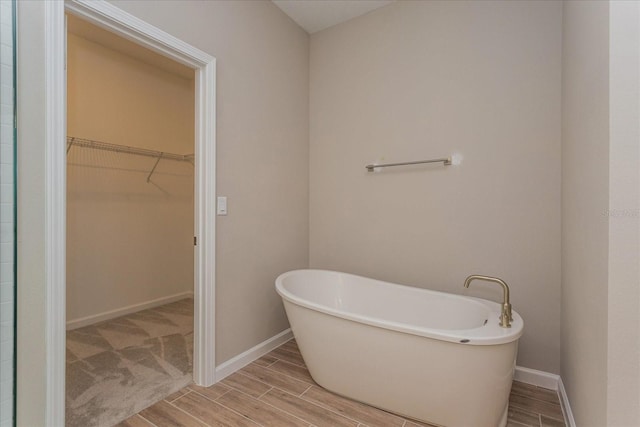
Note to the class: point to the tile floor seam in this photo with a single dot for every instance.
(284, 346)
(284, 361)
(233, 410)
(291, 353)
(260, 397)
(250, 376)
(520, 384)
(281, 410)
(522, 407)
(535, 399)
(215, 401)
(146, 420)
(303, 393)
(288, 351)
(517, 392)
(207, 397)
(308, 388)
(239, 413)
(180, 397)
(191, 415)
(247, 375)
(527, 411)
(274, 362)
(225, 392)
(254, 379)
(317, 404)
(322, 405)
(268, 404)
(555, 418)
(286, 375)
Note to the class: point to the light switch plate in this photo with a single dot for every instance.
(222, 205)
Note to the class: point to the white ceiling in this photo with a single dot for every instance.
(316, 15)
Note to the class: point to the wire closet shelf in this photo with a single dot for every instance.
(118, 148)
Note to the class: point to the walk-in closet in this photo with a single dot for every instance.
(130, 226)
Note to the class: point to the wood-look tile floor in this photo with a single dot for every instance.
(277, 390)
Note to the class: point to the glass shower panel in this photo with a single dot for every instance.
(7, 213)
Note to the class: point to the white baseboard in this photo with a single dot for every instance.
(566, 408)
(537, 378)
(243, 359)
(112, 314)
(550, 381)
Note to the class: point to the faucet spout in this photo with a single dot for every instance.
(505, 315)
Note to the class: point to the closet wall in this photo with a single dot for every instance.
(129, 242)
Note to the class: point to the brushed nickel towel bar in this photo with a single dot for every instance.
(117, 148)
(446, 161)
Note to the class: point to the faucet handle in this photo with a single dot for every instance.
(505, 316)
(506, 308)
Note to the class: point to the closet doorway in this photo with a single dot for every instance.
(134, 211)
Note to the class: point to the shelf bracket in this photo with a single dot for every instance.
(154, 167)
(69, 145)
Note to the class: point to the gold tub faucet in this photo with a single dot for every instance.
(505, 315)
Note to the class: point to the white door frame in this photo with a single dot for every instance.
(128, 26)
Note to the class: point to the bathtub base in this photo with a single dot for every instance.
(438, 382)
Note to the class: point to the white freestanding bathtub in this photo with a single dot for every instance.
(431, 356)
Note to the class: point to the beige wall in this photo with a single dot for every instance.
(623, 337)
(262, 154)
(116, 98)
(600, 212)
(418, 80)
(128, 241)
(585, 200)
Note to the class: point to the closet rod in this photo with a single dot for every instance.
(106, 146)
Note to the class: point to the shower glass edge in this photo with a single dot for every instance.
(8, 210)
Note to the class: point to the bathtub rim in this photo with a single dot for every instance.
(488, 334)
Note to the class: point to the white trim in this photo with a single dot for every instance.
(106, 15)
(549, 381)
(204, 373)
(538, 378)
(243, 359)
(564, 403)
(55, 211)
(112, 314)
